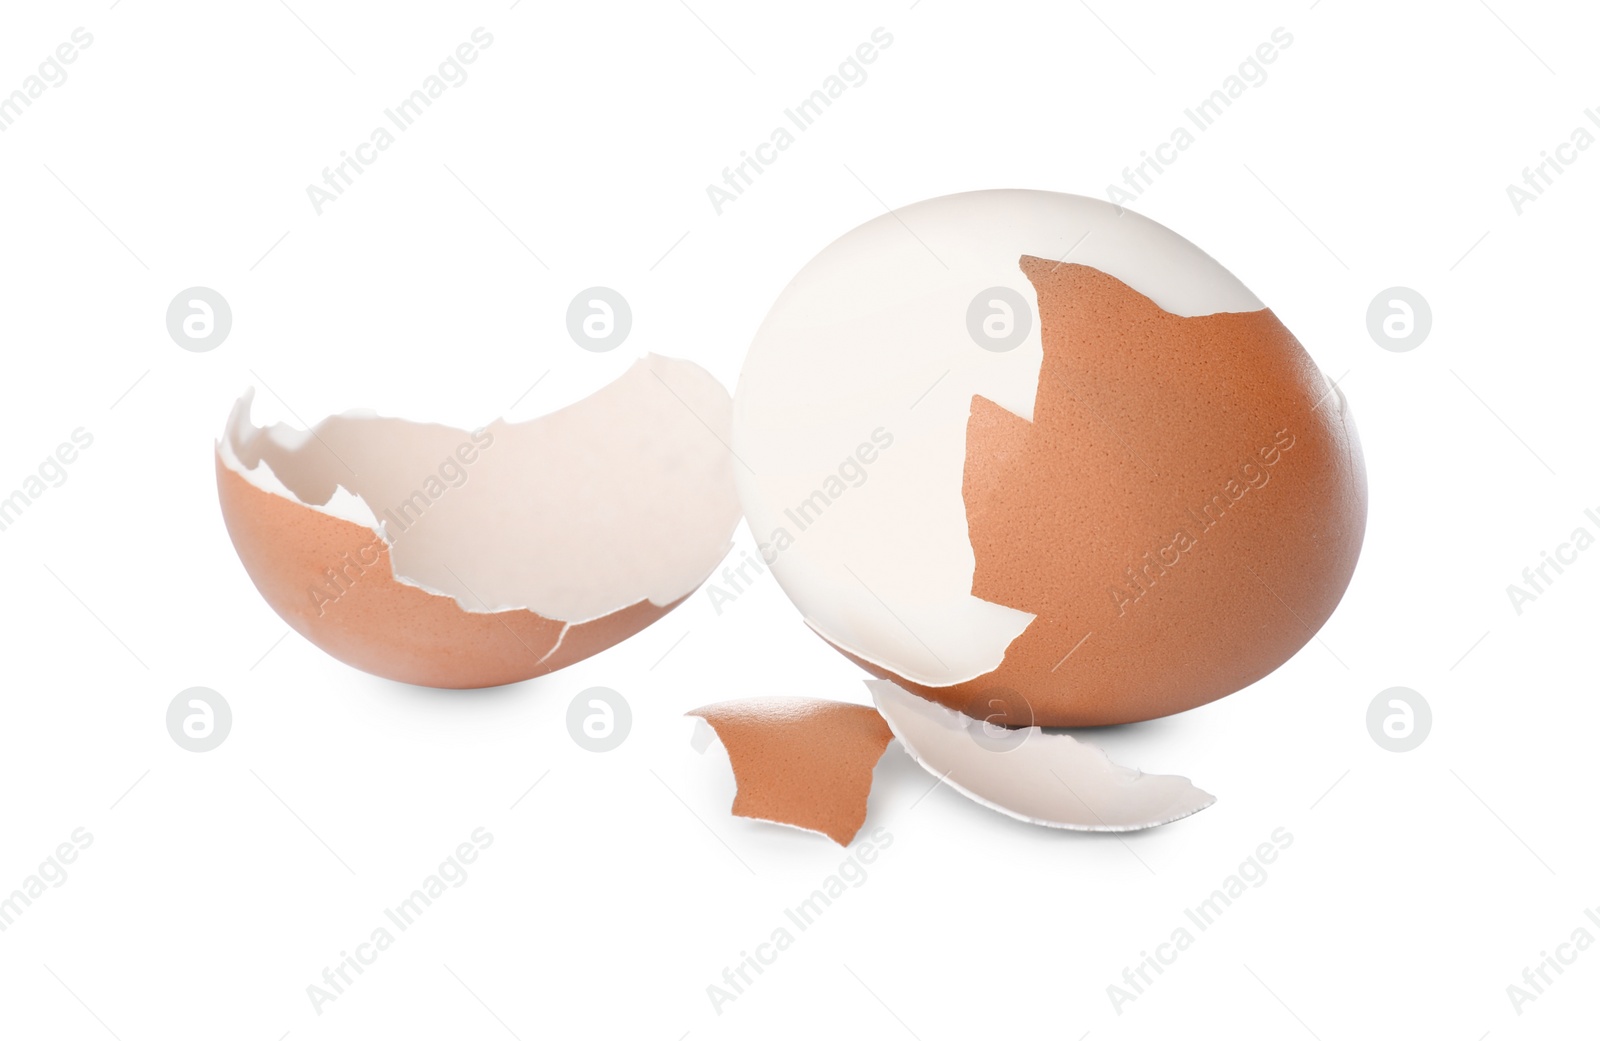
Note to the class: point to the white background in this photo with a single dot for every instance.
(219, 885)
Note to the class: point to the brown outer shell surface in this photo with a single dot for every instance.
(1144, 425)
(381, 625)
(805, 762)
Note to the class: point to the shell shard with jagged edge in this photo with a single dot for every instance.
(803, 762)
(453, 558)
(1053, 780)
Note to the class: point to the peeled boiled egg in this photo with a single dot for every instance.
(1043, 461)
(456, 558)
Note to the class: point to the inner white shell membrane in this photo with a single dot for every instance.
(1050, 779)
(624, 496)
(872, 334)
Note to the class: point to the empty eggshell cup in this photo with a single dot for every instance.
(454, 558)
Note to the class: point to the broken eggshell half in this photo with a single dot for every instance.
(452, 558)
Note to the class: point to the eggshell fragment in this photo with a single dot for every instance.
(804, 762)
(450, 558)
(1050, 779)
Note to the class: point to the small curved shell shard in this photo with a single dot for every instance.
(1053, 780)
(804, 762)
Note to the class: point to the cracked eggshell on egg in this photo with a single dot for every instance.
(454, 558)
(1151, 499)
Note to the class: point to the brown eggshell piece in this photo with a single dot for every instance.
(805, 762)
(1182, 514)
(332, 581)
